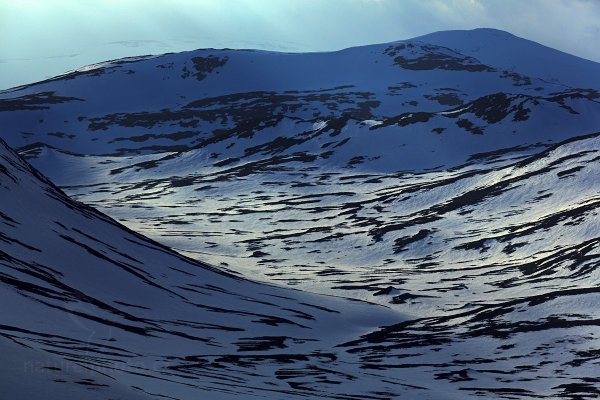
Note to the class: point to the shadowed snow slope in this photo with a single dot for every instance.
(37, 375)
(76, 284)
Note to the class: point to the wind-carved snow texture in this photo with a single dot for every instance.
(449, 182)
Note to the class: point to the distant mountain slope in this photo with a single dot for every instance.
(418, 103)
(512, 53)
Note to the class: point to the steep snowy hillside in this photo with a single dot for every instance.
(82, 290)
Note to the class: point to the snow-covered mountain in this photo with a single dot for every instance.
(450, 182)
(391, 107)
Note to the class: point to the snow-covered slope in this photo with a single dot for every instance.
(26, 373)
(76, 284)
(511, 53)
(358, 234)
(389, 107)
(502, 304)
(451, 178)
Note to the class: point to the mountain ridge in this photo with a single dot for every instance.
(436, 37)
(358, 107)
